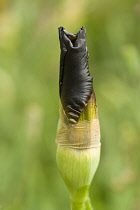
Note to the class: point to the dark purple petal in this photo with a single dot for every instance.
(75, 81)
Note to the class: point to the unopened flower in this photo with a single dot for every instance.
(78, 135)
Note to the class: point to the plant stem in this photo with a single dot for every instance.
(78, 206)
(88, 204)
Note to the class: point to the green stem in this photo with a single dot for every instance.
(88, 204)
(78, 206)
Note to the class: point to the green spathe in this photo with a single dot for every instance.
(77, 168)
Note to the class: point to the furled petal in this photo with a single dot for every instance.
(75, 81)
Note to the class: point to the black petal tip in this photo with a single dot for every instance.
(71, 40)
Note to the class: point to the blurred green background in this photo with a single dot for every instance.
(29, 101)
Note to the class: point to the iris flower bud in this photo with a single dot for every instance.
(78, 133)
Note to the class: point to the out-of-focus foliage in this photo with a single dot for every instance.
(29, 71)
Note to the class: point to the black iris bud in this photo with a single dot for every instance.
(75, 83)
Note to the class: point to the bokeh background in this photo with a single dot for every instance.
(29, 73)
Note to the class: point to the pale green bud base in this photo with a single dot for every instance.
(77, 167)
